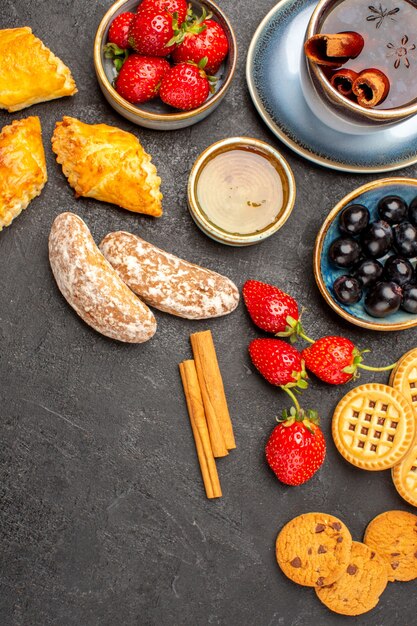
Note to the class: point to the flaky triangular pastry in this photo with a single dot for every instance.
(29, 72)
(108, 164)
(22, 167)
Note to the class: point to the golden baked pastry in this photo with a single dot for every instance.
(22, 167)
(109, 164)
(29, 71)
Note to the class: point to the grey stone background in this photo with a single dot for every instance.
(103, 515)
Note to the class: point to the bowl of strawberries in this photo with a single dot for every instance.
(164, 64)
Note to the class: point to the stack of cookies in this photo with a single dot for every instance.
(404, 379)
(374, 426)
(317, 550)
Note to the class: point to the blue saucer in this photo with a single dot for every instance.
(325, 273)
(274, 80)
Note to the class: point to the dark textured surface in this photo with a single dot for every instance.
(103, 516)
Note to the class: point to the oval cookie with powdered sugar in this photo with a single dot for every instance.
(92, 287)
(167, 282)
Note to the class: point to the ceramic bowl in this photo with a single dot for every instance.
(343, 107)
(288, 185)
(325, 273)
(155, 114)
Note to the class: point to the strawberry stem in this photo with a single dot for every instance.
(293, 398)
(294, 329)
(377, 369)
(304, 336)
(300, 329)
(357, 363)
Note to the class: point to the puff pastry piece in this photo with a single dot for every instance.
(29, 71)
(109, 164)
(22, 167)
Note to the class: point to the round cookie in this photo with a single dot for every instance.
(404, 377)
(394, 371)
(358, 589)
(404, 476)
(394, 535)
(313, 549)
(373, 426)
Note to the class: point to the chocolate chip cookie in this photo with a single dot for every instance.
(359, 587)
(314, 549)
(394, 535)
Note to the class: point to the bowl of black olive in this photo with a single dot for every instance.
(365, 255)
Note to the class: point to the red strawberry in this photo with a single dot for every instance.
(140, 78)
(203, 39)
(328, 357)
(186, 86)
(119, 30)
(279, 362)
(272, 309)
(335, 360)
(150, 32)
(296, 448)
(179, 7)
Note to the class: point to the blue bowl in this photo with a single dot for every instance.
(325, 273)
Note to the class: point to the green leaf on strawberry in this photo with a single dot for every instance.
(118, 55)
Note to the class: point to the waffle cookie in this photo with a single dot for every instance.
(394, 371)
(314, 549)
(394, 535)
(404, 377)
(358, 589)
(373, 426)
(404, 476)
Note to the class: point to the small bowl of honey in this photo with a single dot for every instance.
(240, 191)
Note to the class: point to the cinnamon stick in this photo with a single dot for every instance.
(212, 391)
(333, 50)
(371, 87)
(342, 81)
(200, 431)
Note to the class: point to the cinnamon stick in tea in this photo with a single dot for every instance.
(211, 385)
(200, 430)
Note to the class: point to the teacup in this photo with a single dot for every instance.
(380, 26)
